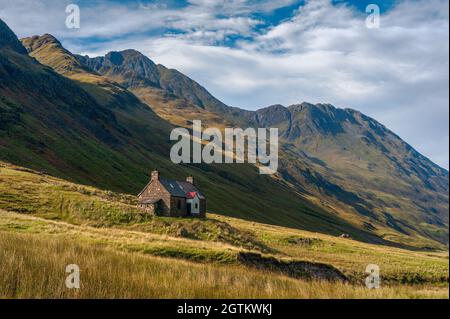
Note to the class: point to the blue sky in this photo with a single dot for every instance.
(252, 54)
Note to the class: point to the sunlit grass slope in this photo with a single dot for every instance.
(33, 266)
(46, 223)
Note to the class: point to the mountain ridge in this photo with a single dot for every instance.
(309, 173)
(308, 130)
(74, 126)
(304, 105)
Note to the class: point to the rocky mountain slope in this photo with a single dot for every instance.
(169, 92)
(340, 171)
(365, 165)
(348, 162)
(84, 127)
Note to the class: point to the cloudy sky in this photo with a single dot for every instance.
(253, 54)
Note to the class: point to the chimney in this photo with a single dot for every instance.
(190, 179)
(155, 175)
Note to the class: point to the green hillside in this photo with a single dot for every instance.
(345, 162)
(88, 129)
(69, 119)
(47, 223)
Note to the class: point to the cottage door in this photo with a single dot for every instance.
(189, 208)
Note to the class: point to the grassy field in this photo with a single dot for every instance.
(33, 266)
(47, 223)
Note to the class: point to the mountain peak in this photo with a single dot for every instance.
(310, 106)
(130, 68)
(132, 52)
(36, 41)
(118, 58)
(49, 51)
(295, 107)
(9, 40)
(273, 107)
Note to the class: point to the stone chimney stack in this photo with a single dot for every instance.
(190, 179)
(155, 175)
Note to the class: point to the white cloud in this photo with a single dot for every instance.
(109, 20)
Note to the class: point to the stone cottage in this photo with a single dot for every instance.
(166, 197)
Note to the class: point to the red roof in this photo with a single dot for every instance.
(191, 195)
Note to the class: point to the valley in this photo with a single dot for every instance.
(339, 160)
(80, 136)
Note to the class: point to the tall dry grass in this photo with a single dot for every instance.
(33, 266)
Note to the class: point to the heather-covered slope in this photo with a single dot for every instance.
(52, 123)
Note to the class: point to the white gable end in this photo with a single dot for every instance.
(195, 205)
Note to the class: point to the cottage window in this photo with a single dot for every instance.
(179, 204)
(196, 206)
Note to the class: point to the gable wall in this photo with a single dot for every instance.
(195, 205)
(156, 191)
